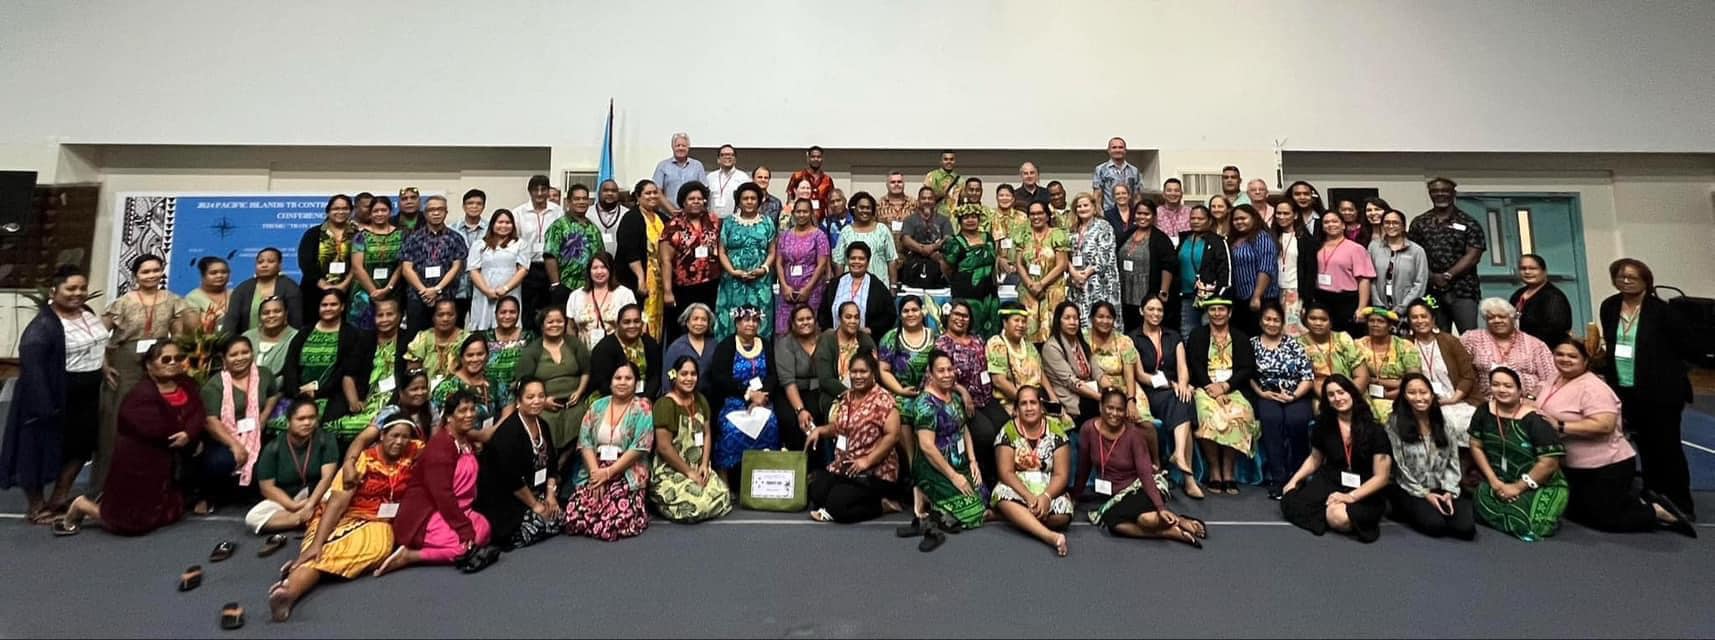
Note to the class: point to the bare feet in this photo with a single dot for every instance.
(395, 561)
(280, 601)
(890, 506)
(1060, 548)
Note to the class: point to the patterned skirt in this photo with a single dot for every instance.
(682, 500)
(946, 498)
(356, 547)
(1232, 424)
(1124, 507)
(1037, 483)
(731, 443)
(608, 511)
(1535, 515)
(533, 528)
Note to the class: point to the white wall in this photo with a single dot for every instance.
(1507, 75)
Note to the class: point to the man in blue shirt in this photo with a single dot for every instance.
(433, 260)
(678, 171)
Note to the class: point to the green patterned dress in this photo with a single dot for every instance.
(492, 397)
(315, 364)
(573, 242)
(678, 497)
(946, 419)
(747, 244)
(503, 356)
(1036, 257)
(1392, 363)
(1512, 447)
(973, 280)
(381, 260)
(380, 393)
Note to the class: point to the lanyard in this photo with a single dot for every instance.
(1160, 350)
(149, 313)
(1327, 353)
(1108, 450)
(1429, 355)
(1552, 389)
(303, 467)
(857, 285)
(1327, 255)
(1502, 428)
(1346, 441)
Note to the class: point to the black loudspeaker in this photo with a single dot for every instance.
(16, 188)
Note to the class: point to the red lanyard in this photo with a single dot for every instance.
(1107, 451)
(1330, 254)
(1160, 350)
(302, 466)
(857, 285)
(1347, 442)
(1555, 388)
(1429, 355)
(149, 314)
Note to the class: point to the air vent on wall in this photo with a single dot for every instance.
(1200, 185)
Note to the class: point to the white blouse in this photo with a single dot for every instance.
(86, 342)
(585, 313)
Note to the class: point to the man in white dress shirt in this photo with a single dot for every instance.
(533, 217)
(725, 180)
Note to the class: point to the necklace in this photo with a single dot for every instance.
(753, 350)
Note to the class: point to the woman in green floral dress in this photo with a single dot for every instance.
(904, 353)
(1518, 455)
(505, 341)
(971, 254)
(375, 262)
(474, 377)
(746, 251)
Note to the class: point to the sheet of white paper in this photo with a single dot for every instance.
(751, 422)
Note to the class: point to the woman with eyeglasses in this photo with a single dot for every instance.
(1647, 342)
(244, 312)
(1401, 265)
(1544, 311)
(161, 420)
(1222, 364)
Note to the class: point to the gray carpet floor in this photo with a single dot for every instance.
(778, 575)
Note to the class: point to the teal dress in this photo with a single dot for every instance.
(747, 245)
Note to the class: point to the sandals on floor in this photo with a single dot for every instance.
(1232, 487)
(272, 544)
(478, 559)
(191, 578)
(222, 551)
(821, 515)
(932, 540)
(1202, 527)
(231, 616)
(63, 527)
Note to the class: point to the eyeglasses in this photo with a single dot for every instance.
(172, 359)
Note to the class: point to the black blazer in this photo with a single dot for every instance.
(1659, 353)
(238, 312)
(1169, 361)
(605, 359)
(1547, 316)
(720, 375)
(509, 464)
(633, 241)
(1307, 266)
(356, 355)
(1217, 265)
(309, 250)
(1197, 358)
(1163, 258)
(879, 314)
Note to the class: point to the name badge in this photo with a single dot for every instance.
(1126, 264)
(755, 384)
(432, 272)
(608, 453)
(897, 225)
(1007, 292)
(1221, 375)
(776, 288)
(1350, 480)
(246, 425)
(381, 273)
(387, 384)
(607, 240)
(388, 510)
(1441, 390)
(701, 252)
(1158, 380)
(336, 268)
(1006, 243)
(1078, 261)
(541, 477)
(487, 423)
(797, 270)
(697, 439)
(840, 443)
(1378, 391)
(1620, 351)
(1104, 487)
(1458, 227)
(143, 345)
(961, 442)
(846, 381)
(1324, 279)
(984, 377)
(815, 205)
(1035, 271)
(1388, 290)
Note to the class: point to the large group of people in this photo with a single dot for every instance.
(437, 391)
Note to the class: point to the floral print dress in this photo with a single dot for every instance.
(613, 509)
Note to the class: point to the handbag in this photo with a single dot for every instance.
(773, 481)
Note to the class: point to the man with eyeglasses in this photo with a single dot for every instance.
(474, 227)
(1453, 242)
(432, 260)
(534, 217)
(724, 181)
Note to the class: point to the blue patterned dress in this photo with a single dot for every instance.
(747, 244)
(729, 450)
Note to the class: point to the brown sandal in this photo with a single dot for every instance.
(231, 616)
(191, 578)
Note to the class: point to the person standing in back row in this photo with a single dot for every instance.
(534, 219)
(821, 184)
(724, 181)
(1646, 339)
(433, 259)
(1115, 171)
(674, 173)
(1453, 241)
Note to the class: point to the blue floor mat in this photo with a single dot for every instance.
(1698, 428)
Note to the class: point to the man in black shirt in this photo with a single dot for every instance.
(1029, 189)
(1454, 242)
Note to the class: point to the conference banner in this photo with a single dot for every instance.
(185, 228)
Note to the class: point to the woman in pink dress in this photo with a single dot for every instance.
(803, 268)
(435, 522)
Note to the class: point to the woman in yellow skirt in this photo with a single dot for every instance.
(363, 503)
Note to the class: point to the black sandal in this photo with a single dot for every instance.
(191, 578)
(272, 544)
(1202, 527)
(1682, 523)
(63, 527)
(932, 540)
(910, 530)
(478, 559)
(222, 551)
(231, 616)
(1188, 538)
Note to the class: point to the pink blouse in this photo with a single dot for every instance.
(1526, 355)
(1338, 270)
(1580, 399)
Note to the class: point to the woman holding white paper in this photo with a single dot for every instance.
(743, 378)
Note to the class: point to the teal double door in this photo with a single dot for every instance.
(1548, 225)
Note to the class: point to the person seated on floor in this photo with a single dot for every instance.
(1341, 486)
(1426, 494)
(684, 488)
(353, 533)
(863, 427)
(436, 524)
(1600, 462)
(410, 402)
(615, 444)
(160, 421)
(1518, 454)
(945, 472)
(237, 399)
(517, 489)
(1033, 465)
(294, 472)
(1118, 450)
(743, 379)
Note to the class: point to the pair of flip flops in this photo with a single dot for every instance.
(270, 546)
(478, 559)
